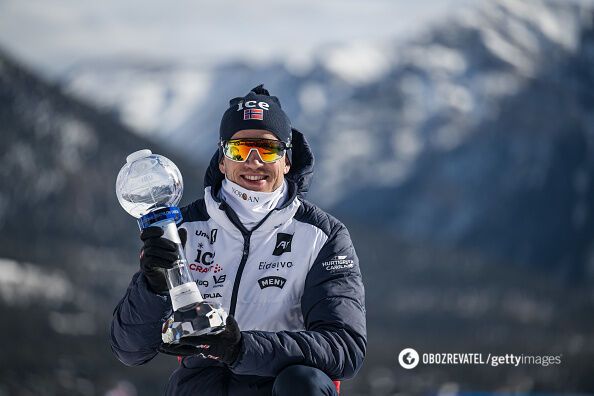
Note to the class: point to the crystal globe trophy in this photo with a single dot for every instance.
(149, 186)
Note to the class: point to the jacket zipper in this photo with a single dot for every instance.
(246, 249)
(244, 257)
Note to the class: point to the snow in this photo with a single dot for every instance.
(522, 35)
(442, 76)
(82, 323)
(312, 98)
(558, 26)
(448, 137)
(188, 89)
(357, 62)
(51, 34)
(24, 283)
(506, 51)
(340, 161)
(76, 138)
(150, 99)
(300, 63)
(144, 101)
(20, 161)
(390, 173)
(499, 84)
(406, 144)
(436, 58)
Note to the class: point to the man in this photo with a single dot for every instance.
(284, 270)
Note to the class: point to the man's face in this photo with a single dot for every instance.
(269, 176)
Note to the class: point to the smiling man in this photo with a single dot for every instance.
(254, 173)
(285, 271)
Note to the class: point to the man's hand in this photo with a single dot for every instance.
(158, 254)
(224, 346)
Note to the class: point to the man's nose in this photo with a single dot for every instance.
(254, 159)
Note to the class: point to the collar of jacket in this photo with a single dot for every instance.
(223, 215)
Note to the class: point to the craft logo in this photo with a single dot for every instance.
(272, 281)
(283, 243)
(338, 263)
(203, 270)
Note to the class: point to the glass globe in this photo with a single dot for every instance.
(147, 182)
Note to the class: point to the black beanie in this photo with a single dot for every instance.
(256, 110)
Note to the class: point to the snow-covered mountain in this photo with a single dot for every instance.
(487, 137)
(67, 249)
(152, 99)
(451, 137)
(450, 157)
(181, 105)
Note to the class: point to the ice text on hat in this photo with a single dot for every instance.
(251, 104)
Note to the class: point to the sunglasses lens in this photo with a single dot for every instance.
(239, 150)
(270, 151)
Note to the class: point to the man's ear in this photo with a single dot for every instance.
(222, 165)
(287, 165)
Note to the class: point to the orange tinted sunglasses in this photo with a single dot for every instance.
(269, 150)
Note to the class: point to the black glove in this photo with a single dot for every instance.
(224, 346)
(157, 255)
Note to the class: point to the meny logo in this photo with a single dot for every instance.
(272, 281)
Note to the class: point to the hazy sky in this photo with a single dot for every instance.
(54, 34)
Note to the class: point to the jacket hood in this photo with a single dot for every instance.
(300, 174)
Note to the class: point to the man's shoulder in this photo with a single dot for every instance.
(196, 211)
(310, 213)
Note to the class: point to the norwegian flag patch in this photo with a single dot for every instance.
(253, 114)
